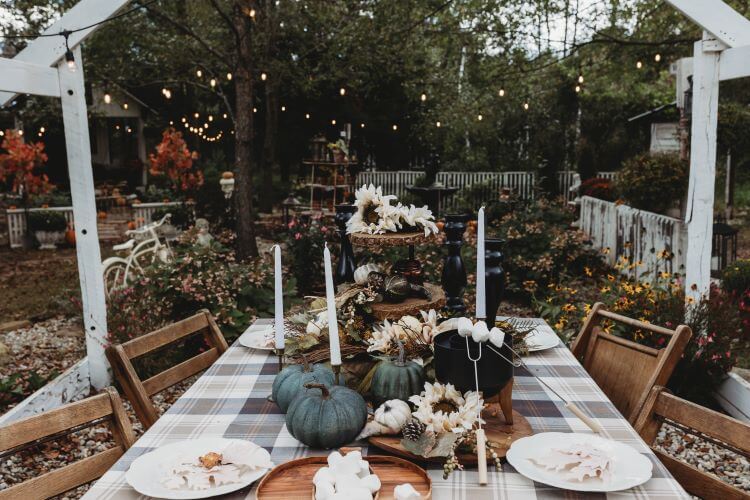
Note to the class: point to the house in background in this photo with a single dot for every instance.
(118, 143)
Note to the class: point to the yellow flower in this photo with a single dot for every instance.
(569, 308)
(587, 271)
(610, 277)
(586, 308)
(604, 289)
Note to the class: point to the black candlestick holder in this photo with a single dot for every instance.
(454, 272)
(494, 278)
(346, 265)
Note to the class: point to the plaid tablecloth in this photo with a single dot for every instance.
(230, 400)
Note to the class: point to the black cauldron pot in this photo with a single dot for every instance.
(453, 366)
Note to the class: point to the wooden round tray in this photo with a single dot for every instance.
(412, 306)
(390, 239)
(293, 479)
(500, 434)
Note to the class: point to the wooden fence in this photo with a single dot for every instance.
(17, 218)
(641, 237)
(522, 183)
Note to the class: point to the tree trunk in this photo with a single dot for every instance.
(243, 134)
(270, 145)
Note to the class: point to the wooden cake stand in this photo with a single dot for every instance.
(390, 239)
(410, 306)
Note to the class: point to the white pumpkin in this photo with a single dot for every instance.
(393, 414)
(363, 272)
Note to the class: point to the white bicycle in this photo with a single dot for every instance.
(145, 248)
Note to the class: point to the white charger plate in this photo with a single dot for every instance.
(629, 468)
(256, 339)
(147, 471)
(542, 338)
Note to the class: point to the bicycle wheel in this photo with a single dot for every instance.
(114, 276)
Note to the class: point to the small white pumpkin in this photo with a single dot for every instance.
(393, 414)
(363, 272)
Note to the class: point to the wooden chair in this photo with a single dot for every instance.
(625, 370)
(60, 422)
(139, 392)
(662, 407)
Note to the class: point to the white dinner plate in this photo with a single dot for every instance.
(258, 339)
(147, 471)
(542, 338)
(629, 468)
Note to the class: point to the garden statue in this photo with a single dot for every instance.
(396, 288)
(204, 238)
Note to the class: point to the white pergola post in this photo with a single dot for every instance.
(75, 121)
(40, 69)
(722, 54)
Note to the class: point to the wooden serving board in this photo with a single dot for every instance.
(500, 434)
(410, 306)
(293, 479)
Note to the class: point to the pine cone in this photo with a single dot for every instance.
(413, 429)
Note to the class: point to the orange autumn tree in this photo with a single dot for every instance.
(19, 165)
(174, 161)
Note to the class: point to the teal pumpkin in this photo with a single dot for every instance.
(325, 417)
(291, 380)
(397, 379)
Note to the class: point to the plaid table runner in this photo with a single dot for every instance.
(229, 400)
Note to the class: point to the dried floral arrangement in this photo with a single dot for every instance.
(376, 215)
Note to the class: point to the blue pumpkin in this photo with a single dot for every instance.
(326, 417)
(291, 380)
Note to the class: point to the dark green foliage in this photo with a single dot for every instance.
(47, 220)
(653, 182)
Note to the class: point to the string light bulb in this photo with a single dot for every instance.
(183, 120)
(361, 125)
(125, 105)
(638, 65)
(212, 82)
(210, 118)
(197, 115)
(171, 122)
(578, 88)
(438, 124)
(501, 92)
(263, 76)
(41, 130)
(480, 117)
(657, 57)
(283, 108)
(70, 59)
(167, 93)
(255, 110)
(224, 116)
(423, 97)
(199, 73)
(342, 91)
(526, 105)
(251, 13)
(229, 76)
(107, 98)
(580, 77)
(395, 127)
(333, 122)
(307, 116)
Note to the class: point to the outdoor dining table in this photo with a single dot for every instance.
(230, 400)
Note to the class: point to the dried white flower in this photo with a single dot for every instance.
(443, 409)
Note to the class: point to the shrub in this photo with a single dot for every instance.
(719, 333)
(306, 241)
(653, 182)
(540, 246)
(598, 187)
(47, 220)
(182, 215)
(174, 161)
(197, 278)
(735, 278)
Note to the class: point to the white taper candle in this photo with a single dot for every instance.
(481, 312)
(278, 299)
(333, 326)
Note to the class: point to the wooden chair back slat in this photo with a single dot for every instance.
(626, 370)
(163, 336)
(661, 405)
(66, 478)
(139, 392)
(67, 418)
(177, 373)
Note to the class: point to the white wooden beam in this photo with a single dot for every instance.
(89, 256)
(46, 51)
(22, 77)
(718, 18)
(735, 63)
(700, 203)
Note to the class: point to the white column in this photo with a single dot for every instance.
(700, 202)
(89, 257)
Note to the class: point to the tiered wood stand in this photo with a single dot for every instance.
(410, 306)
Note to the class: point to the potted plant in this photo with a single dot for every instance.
(339, 150)
(656, 182)
(48, 227)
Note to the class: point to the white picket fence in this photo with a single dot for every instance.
(17, 222)
(565, 180)
(17, 218)
(521, 183)
(640, 236)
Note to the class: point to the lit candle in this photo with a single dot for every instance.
(333, 326)
(278, 299)
(480, 305)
